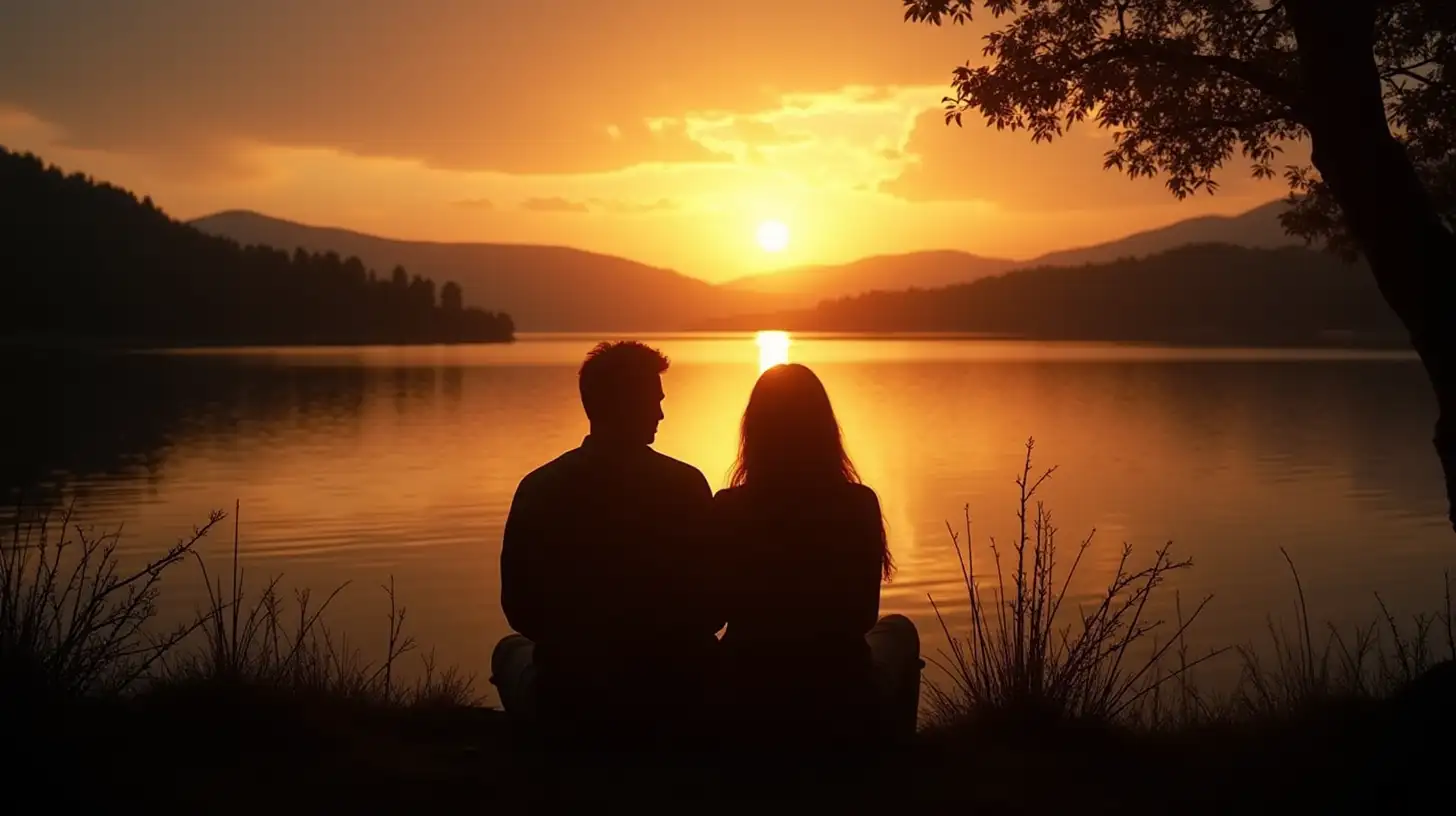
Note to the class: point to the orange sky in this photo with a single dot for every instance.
(662, 131)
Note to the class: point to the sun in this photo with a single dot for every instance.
(773, 236)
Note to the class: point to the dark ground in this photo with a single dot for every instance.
(207, 750)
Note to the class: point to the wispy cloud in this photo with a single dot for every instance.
(554, 204)
(633, 207)
(615, 206)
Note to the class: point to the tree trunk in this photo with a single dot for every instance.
(1386, 208)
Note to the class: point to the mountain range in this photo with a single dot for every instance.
(930, 269)
(1258, 228)
(551, 288)
(1191, 294)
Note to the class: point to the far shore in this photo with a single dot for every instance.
(54, 344)
(1330, 340)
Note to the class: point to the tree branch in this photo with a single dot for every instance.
(1266, 17)
(1270, 84)
(1410, 70)
(1237, 123)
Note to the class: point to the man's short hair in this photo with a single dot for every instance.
(612, 370)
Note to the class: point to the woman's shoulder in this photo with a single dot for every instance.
(864, 494)
(729, 496)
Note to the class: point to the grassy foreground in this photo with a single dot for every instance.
(256, 705)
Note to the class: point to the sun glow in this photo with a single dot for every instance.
(773, 349)
(773, 236)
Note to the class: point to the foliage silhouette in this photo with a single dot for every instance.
(1185, 84)
(86, 262)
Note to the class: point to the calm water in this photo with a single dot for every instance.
(360, 464)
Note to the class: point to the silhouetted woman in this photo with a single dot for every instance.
(805, 552)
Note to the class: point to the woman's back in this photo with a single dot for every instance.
(803, 550)
(802, 587)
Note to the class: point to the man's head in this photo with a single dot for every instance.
(621, 390)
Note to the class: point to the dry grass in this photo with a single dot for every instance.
(1025, 656)
(1028, 655)
(73, 623)
(1294, 673)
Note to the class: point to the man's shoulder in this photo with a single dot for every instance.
(675, 469)
(553, 471)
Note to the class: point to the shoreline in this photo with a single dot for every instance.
(10, 345)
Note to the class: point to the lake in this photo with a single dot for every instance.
(361, 464)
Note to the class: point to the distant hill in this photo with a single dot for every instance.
(544, 288)
(83, 262)
(805, 286)
(1258, 228)
(1203, 293)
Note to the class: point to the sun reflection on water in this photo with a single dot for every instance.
(773, 349)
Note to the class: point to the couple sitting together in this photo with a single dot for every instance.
(619, 568)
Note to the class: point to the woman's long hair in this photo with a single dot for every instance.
(790, 439)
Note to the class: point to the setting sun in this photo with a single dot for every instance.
(773, 236)
(773, 348)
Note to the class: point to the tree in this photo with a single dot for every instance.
(452, 298)
(86, 262)
(1183, 85)
(422, 293)
(355, 273)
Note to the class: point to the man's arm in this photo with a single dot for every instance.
(522, 582)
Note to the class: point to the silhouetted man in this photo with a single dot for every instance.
(605, 571)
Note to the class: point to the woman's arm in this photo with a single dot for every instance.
(869, 538)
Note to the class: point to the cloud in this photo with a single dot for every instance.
(978, 163)
(634, 207)
(844, 139)
(554, 204)
(558, 204)
(756, 132)
(21, 129)
(517, 88)
(474, 204)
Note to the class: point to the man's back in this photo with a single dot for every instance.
(605, 566)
